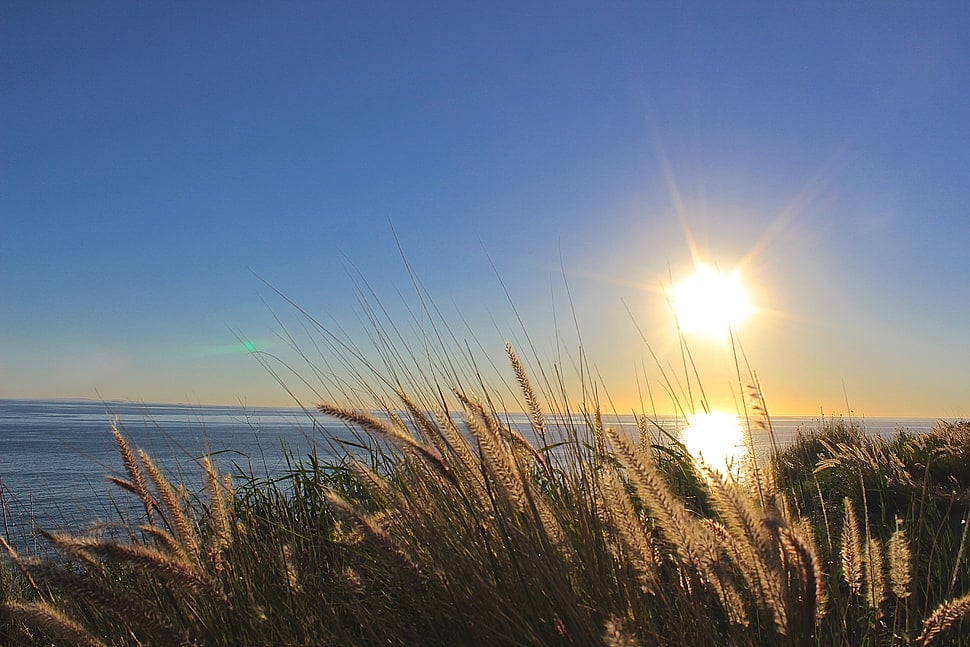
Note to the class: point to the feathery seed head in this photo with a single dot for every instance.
(852, 568)
(900, 562)
(54, 622)
(944, 617)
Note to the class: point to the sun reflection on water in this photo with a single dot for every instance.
(716, 438)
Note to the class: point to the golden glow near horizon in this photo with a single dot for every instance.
(715, 438)
(710, 302)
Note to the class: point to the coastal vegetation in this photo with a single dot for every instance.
(437, 518)
(441, 523)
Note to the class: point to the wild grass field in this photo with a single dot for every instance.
(441, 524)
(454, 529)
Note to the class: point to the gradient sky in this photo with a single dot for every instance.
(156, 157)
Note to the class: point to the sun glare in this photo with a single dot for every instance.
(710, 302)
(716, 438)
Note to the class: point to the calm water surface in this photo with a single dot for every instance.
(54, 455)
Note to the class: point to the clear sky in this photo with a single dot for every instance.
(156, 157)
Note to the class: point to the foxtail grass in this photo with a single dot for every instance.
(453, 527)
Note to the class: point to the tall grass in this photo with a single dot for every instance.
(445, 524)
(456, 529)
(892, 516)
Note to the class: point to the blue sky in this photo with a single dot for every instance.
(156, 157)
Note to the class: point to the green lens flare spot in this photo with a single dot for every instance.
(247, 347)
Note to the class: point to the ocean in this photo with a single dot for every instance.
(54, 455)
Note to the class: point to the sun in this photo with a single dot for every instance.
(710, 303)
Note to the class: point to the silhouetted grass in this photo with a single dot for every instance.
(444, 524)
(456, 530)
(916, 484)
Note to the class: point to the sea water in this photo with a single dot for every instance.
(54, 455)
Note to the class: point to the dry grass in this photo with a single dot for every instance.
(913, 492)
(453, 528)
(943, 618)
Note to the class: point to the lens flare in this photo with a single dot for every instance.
(248, 347)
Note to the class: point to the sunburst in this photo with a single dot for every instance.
(710, 302)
